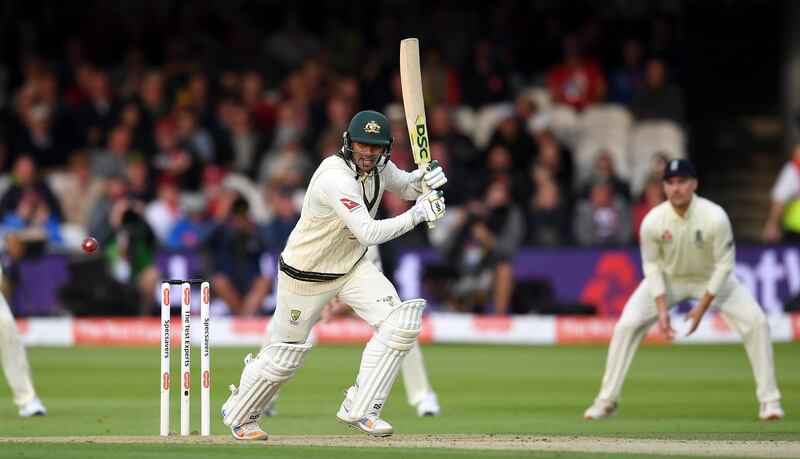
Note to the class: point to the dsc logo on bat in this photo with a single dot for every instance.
(421, 138)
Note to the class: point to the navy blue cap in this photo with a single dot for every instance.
(679, 168)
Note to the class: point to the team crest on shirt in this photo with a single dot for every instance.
(666, 237)
(349, 203)
(698, 239)
(295, 314)
(372, 127)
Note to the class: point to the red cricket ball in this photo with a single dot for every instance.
(89, 245)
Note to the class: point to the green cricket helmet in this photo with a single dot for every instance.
(371, 128)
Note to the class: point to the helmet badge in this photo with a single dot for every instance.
(372, 127)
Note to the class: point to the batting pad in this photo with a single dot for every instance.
(383, 355)
(261, 379)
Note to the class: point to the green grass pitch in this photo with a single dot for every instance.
(672, 392)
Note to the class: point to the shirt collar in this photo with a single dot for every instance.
(688, 213)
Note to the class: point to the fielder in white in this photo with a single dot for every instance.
(688, 252)
(15, 364)
(323, 259)
(419, 392)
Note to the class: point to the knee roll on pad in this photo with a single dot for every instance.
(383, 356)
(261, 379)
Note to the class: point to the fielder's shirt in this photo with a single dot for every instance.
(697, 247)
(337, 224)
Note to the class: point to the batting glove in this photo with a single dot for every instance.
(433, 175)
(429, 207)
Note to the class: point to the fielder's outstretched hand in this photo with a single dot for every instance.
(665, 326)
(433, 175)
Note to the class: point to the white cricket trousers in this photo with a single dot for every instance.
(13, 358)
(736, 306)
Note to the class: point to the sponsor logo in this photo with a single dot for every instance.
(205, 295)
(295, 314)
(349, 203)
(387, 299)
(377, 406)
(187, 296)
(372, 127)
(186, 380)
(165, 296)
(698, 239)
(420, 137)
(666, 236)
(165, 381)
(206, 379)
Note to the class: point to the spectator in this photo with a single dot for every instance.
(26, 184)
(602, 219)
(548, 209)
(78, 191)
(191, 230)
(652, 196)
(783, 222)
(576, 81)
(130, 252)
(485, 238)
(285, 216)
(115, 195)
(484, 81)
(626, 79)
(440, 82)
(162, 213)
(658, 98)
(290, 164)
(194, 139)
(258, 107)
(173, 160)
(98, 113)
(138, 179)
(511, 133)
(604, 171)
(241, 147)
(113, 159)
(239, 277)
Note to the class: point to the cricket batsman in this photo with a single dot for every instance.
(323, 259)
(688, 252)
(15, 364)
(419, 392)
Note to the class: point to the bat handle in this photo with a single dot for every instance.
(425, 189)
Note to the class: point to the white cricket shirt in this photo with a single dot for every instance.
(337, 223)
(697, 247)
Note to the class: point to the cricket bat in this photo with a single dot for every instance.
(414, 105)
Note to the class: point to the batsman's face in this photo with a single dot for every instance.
(679, 190)
(366, 156)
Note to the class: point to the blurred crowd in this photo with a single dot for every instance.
(197, 125)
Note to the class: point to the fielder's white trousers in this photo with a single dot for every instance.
(14, 358)
(736, 306)
(371, 296)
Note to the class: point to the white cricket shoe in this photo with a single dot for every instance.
(429, 406)
(600, 409)
(371, 424)
(770, 411)
(33, 408)
(249, 432)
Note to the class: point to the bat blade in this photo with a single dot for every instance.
(414, 105)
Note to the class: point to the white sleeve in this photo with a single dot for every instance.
(724, 254)
(787, 186)
(650, 243)
(343, 195)
(399, 182)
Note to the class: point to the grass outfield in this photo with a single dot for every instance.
(672, 392)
